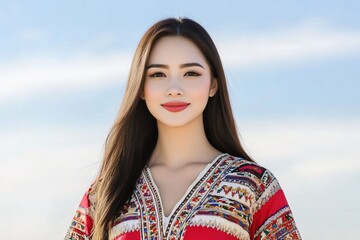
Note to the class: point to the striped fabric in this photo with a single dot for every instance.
(231, 199)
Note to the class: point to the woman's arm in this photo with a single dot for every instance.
(82, 222)
(272, 217)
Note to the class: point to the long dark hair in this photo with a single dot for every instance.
(134, 134)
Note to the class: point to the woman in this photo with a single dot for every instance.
(173, 165)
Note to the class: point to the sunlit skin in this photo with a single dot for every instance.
(177, 71)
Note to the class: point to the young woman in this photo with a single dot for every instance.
(173, 166)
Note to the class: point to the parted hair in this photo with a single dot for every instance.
(133, 136)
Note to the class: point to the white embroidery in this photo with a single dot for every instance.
(271, 219)
(241, 199)
(221, 224)
(124, 227)
(267, 194)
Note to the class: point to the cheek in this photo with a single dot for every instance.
(150, 91)
(200, 89)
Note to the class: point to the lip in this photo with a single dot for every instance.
(175, 106)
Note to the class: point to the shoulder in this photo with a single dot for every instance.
(250, 171)
(87, 204)
(82, 222)
(269, 212)
(259, 180)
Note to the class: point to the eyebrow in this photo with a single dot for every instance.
(184, 65)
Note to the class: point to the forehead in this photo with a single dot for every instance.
(177, 50)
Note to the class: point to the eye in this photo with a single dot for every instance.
(157, 75)
(192, 74)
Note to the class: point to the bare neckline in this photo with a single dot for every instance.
(188, 191)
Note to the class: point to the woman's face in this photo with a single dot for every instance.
(177, 82)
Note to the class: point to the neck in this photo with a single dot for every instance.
(180, 146)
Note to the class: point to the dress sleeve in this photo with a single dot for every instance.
(82, 222)
(271, 214)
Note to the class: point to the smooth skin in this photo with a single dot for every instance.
(178, 71)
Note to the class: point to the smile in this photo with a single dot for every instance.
(175, 106)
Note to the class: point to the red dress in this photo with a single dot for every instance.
(231, 199)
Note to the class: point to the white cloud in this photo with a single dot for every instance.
(304, 43)
(43, 176)
(33, 35)
(310, 148)
(49, 169)
(23, 78)
(26, 77)
(317, 164)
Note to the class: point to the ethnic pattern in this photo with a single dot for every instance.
(194, 198)
(128, 220)
(271, 230)
(219, 224)
(231, 199)
(150, 226)
(82, 222)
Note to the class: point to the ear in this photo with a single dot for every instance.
(142, 95)
(213, 87)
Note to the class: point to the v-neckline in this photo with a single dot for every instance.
(188, 193)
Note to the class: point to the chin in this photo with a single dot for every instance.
(173, 124)
(178, 123)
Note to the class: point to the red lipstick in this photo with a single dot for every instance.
(175, 106)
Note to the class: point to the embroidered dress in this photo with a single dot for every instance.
(231, 199)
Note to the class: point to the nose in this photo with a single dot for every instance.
(174, 89)
(174, 92)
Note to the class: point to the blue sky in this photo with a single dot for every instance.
(293, 71)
